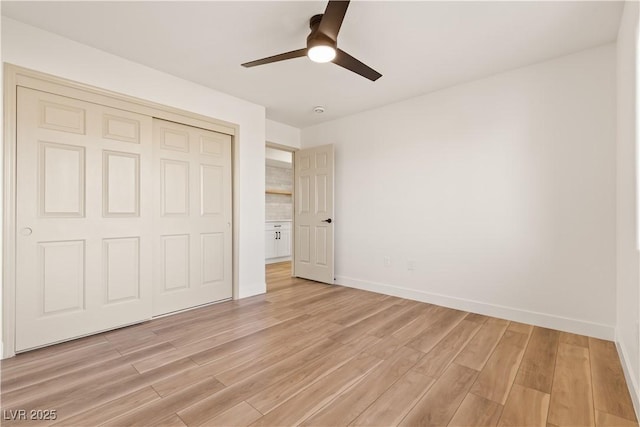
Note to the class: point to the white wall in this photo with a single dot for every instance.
(628, 260)
(281, 134)
(278, 155)
(501, 190)
(33, 48)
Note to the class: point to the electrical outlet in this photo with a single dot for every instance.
(387, 261)
(411, 264)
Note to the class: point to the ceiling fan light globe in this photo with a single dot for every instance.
(321, 53)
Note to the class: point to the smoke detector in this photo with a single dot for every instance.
(319, 109)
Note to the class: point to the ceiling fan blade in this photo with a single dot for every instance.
(347, 61)
(275, 58)
(332, 18)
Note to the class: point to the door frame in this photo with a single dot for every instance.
(15, 76)
(291, 150)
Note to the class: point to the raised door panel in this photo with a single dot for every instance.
(175, 262)
(62, 117)
(174, 139)
(303, 200)
(61, 269)
(303, 244)
(213, 256)
(121, 128)
(62, 180)
(121, 269)
(303, 161)
(212, 187)
(321, 251)
(214, 144)
(174, 181)
(121, 184)
(321, 188)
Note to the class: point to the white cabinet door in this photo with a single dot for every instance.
(270, 244)
(84, 218)
(192, 215)
(284, 243)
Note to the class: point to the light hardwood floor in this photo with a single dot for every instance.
(318, 355)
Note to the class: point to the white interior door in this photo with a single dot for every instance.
(84, 218)
(192, 188)
(313, 214)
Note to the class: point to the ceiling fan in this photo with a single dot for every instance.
(322, 44)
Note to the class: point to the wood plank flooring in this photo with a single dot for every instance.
(318, 355)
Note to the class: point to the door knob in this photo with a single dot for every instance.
(26, 231)
(328, 221)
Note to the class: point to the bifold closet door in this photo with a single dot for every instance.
(84, 218)
(192, 208)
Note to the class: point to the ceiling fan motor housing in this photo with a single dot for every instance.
(317, 38)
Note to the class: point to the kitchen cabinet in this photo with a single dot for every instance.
(277, 241)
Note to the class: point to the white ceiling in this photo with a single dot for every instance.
(419, 47)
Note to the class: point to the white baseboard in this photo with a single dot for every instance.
(632, 384)
(545, 320)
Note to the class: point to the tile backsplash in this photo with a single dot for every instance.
(279, 206)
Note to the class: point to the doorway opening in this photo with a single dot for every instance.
(279, 208)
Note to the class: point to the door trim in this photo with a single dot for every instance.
(15, 76)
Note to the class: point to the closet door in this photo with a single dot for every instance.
(192, 208)
(84, 218)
